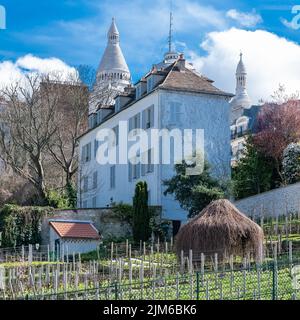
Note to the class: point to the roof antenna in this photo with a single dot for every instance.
(171, 27)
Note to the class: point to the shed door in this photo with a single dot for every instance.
(57, 247)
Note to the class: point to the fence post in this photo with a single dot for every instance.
(197, 286)
(116, 291)
(275, 280)
(290, 253)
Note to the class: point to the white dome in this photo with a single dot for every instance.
(113, 60)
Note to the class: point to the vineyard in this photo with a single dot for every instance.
(122, 271)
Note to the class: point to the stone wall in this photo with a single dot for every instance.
(103, 219)
(272, 203)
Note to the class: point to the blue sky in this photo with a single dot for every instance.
(75, 31)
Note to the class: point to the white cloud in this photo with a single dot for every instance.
(15, 71)
(245, 19)
(270, 60)
(149, 31)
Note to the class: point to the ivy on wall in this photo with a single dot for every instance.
(21, 225)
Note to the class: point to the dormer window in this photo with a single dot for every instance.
(138, 92)
(118, 104)
(150, 83)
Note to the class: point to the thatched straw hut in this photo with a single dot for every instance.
(221, 228)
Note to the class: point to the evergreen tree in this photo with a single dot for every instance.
(71, 195)
(291, 163)
(254, 172)
(141, 217)
(194, 192)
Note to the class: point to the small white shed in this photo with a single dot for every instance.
(73, 236)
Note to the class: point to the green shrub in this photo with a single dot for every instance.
(124, 212)
(21, 225)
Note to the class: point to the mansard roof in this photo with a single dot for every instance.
(184, 79)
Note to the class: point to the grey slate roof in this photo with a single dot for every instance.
(182, 78)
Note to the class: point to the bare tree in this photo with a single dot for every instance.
(29, 126)
(71, 121)
(278, 125)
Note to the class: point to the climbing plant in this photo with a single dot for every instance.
(21, 225)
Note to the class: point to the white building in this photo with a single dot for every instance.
(172, 95)
(70, 236)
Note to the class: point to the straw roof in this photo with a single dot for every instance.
(221, 228)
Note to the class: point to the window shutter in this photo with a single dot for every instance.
(138, 121)
(152, 116)
(144, 119)
(130, 124)
(116, 130)
(89, 151)
(83, 154)
(143, 169)
(129, 171)
(95, 147)
(138, 170)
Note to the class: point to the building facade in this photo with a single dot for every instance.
(172, 95)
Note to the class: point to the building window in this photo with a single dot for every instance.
(149, 83)
(176, 114)
(95, 122)
(99, 118)
(135, 122)
(85, 184)
(136, 171)
(117, 105)
(150, 165)
(116, 131)
(147, 165)
(112, 177)
(95, 180)
(148, 118)
(138, 92)
(94, 202)
(86, 153)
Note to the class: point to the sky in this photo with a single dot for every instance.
(48, 35)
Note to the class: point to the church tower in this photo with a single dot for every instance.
(241, 99)
(113, 74)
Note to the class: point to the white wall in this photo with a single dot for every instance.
(272, 203)
(124, 190)
(198, 111)
(70, 246)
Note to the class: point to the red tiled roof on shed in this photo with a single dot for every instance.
(82, 230)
